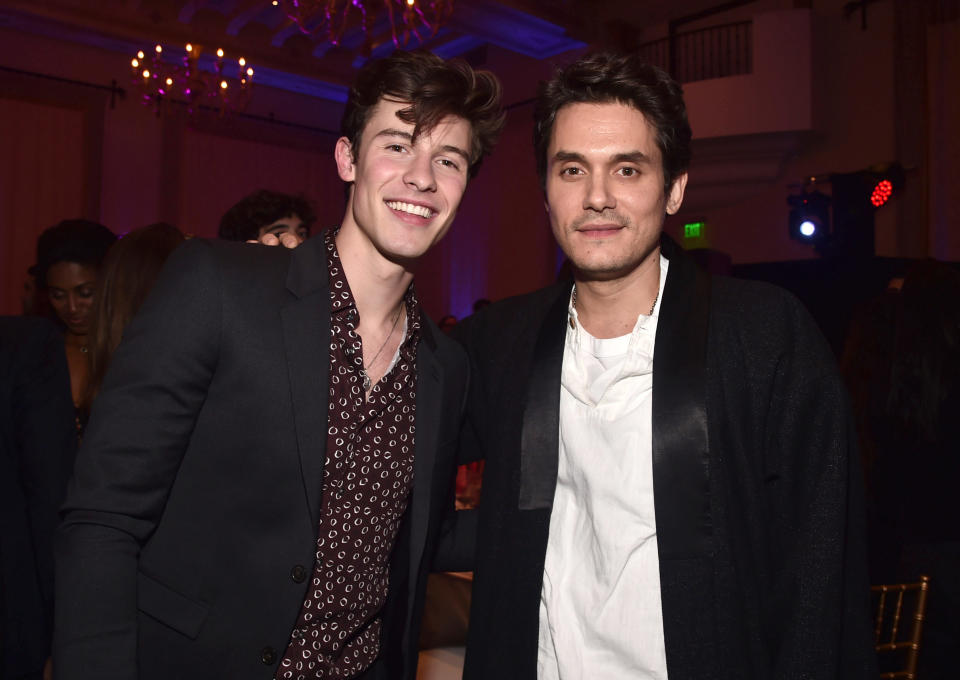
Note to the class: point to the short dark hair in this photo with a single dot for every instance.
(435, 89)
(603, 77)
(243, 221)
(82, 241)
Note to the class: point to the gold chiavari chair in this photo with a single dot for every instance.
(898, 623)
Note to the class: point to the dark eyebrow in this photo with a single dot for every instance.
(448, 148)
(564, 156)
(637, 157)
(393, 132)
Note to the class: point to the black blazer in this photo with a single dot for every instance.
(756, 486)
(38, 440)
(197, 490)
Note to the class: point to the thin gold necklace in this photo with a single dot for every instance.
(363, 371)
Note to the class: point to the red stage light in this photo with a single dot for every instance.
(881, 193)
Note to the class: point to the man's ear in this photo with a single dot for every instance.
(343, 153)
(675, 199)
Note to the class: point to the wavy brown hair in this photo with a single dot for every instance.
(127, 275)
(435, 89)
(605, 77)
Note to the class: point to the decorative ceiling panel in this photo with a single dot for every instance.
(288, 57)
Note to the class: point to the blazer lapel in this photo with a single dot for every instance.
(540, 438)
(306, 335)
(681, 470)
(429, 414)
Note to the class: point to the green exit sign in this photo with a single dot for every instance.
(694, 229)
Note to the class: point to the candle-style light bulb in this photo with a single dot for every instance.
(220, 53)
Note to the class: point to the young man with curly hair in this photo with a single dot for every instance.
(267, 212)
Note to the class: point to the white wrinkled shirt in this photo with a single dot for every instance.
(600, 611)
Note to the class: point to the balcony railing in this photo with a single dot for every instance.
(714, 52)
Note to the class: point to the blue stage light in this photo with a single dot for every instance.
(809, 216)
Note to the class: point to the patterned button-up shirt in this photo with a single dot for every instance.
(368, 475)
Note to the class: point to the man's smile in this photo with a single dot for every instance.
(419, 210)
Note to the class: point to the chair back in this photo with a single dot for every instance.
(898, 624)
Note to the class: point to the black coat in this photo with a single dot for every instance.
(38, 440)
(198, 485)
(756, 485)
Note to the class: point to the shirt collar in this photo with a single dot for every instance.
(342, 300)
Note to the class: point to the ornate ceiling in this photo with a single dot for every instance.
(288, 58)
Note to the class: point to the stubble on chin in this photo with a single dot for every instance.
(610, 263)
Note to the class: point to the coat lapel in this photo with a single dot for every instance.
(429, 414)
(540, 439)
(680, 463)
(681, 471)
(306, 336)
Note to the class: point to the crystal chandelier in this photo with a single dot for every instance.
(407, 18)
(222, 86)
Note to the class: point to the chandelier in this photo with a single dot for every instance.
(407, 18)
(221, 86)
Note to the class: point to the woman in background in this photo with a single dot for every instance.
(128, 274)
(69, 255)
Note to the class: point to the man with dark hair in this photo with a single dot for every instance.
(670, 486)
(267, 212)
(239, 512)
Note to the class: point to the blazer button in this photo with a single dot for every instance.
(298, 574)
(268, 656)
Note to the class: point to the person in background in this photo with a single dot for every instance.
(131, 266)
(69, 255)
(37, 447)
(267, 212)
(447, 323)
